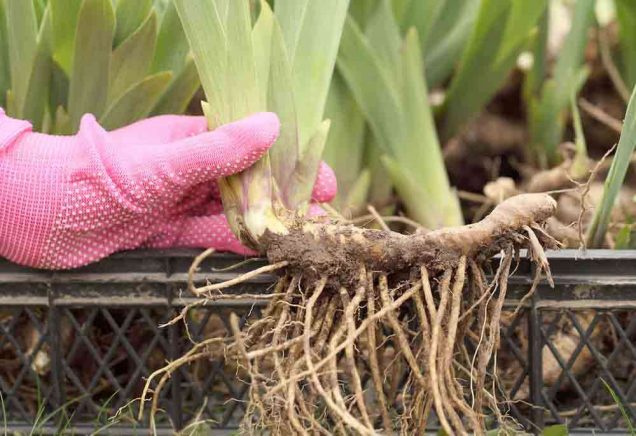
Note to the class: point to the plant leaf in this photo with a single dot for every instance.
(621, 406)
(241, 82)
(579, 167)
(538, 47)
(131, 60)
(137, 102)
(381, 187)
(375, 91)
(304, 175)
(262, 48)
(547, 130)
(64, 14)
(615, 177)
(623, 238)
(421, 154)
(447, 39)
(130, 14)
(383, 35)
(464, 99)
(182, 89)
(172, 46)
(344, 150)
(5, 73)
(35, 102)
(555, 430)
(62, 122)
(521, 20)
(88, 89)
(356, 196)
(22, 43)
(58, 90)
(626, 16)
(204, 30)
(422, 15)
(570, 61)
(411, 193)
(280, 99)
(312, 30)
(361, 11)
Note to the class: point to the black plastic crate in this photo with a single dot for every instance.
(93, 337)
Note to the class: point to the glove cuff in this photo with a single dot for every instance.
(10, 129)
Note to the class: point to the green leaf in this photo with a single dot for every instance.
(381, 187)
(88, 90)
(400, 8)
(204, 30)
(262, 43)
(182, 89)
(391, 92)
(615, 177)
(5, 73)
(344, 150)
(130, 15)
(412, 193)
(290, 15)
(383, 35)
(304, 176)
(58, 90)
(464, 99)
(580, 165)
(131, 60)
(39, 6)
(422, 15)
(241, 81)
(361, 11)
(172, 46)
(370, 82)
(626, 17)
(447, 39)
(62, 122)
(538, 47)
(549, 116)
(137, 102)
(546, 130)
(572, 53)
(621, 406)
(64, 14)
(280, 99)
(352, 201)
(521, 20)
(312, 30)
(555, 430)
(22, 43)
(35, 102)
(623, 238)
(421, 153)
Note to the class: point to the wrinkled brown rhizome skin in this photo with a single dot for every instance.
(316, 249)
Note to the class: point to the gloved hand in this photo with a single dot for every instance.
(66, 201)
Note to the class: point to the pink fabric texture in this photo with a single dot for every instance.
(66, 201)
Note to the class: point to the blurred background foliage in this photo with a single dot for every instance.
(119, 60)
(439, 108)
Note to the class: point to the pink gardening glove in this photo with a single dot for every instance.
(66, 201)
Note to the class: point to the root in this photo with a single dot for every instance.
(371, 303)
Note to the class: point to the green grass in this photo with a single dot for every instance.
(615, 178)
(630, 425)
(119, 60)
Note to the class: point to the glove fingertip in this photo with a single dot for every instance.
(326, 186)
(258, 131)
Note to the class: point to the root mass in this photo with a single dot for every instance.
(368, 331)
